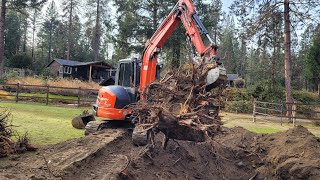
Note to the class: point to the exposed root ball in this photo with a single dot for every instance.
(7, 145)
(179, 105)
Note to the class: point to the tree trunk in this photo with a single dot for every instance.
(154, 14)
(33, 32)
(287, 57)
(319, 89)
(2, 26)
(97, 34)
(70, 31)
(25, 37)
(50, 43)
(273, 71)
(215, 37)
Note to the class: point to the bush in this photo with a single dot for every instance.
(20, 61)
(235, 94)
(305, 97)
(10, 74)
(239, 106)
(45, 73)
(239, 83)
(263, 91)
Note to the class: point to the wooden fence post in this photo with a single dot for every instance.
(254, 110)
(79, 93)
(17, 92)
(47, 98)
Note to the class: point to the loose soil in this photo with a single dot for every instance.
(233, 154)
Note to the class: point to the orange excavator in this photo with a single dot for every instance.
(112, 102)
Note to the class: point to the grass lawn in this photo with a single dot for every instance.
(52, 124)
(44, 124)
(245, 121)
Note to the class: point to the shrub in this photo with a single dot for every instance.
(263, 91)
(11, 74)
(239, 106)
(235, 94)
(20, 61)
(239, 83)
(305, 97)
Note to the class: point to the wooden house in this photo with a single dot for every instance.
(231, 79)
(87, 71)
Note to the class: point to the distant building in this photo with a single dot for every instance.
(87, 71)
(231, 78)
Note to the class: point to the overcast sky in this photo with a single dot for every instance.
(225, 3)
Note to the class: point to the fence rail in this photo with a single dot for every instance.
(47, 94)
(271, 111)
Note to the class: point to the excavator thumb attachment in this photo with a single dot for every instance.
(80, 122)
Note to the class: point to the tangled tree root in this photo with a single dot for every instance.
(7, 145)
(180, 106)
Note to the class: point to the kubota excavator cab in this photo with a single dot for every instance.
(113, 100)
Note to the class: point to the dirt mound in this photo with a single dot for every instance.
(235, 154)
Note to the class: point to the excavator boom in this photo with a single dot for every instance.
(184, 13)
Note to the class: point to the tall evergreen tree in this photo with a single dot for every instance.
(3, 8)
(96, 17)
(49, 29)
(312, 61)
(257, 13)
(70, 9)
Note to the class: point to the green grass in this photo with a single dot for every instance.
(44, 124)
(245, 120)
(51, 124)
(44, 95)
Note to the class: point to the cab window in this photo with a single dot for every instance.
(125, 75)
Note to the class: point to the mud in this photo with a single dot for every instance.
(234, 154)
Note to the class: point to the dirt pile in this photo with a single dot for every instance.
(235, 154)
(181, 105)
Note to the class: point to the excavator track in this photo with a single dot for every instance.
(94, 126)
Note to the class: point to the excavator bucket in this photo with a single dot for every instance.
(80, 122)
(216, 77)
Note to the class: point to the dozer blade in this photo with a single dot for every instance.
(81, 121)
(95, 126)
(140, 136)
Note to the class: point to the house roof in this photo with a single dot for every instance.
(64, 62)
(232, 77)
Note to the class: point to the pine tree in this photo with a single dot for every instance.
(70, 9)
(49, 28)
(96, 17)
(312, 60)
(258, 13)
(3, 8)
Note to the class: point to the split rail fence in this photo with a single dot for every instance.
(276, 112)
(47, 94)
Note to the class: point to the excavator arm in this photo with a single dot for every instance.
(184, 12)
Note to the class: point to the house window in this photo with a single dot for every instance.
(67, 70)
(61, 69)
